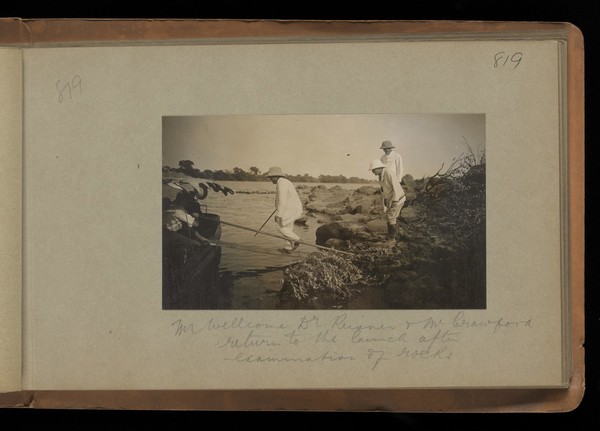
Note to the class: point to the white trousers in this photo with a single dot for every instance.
(288, 232)
(393, 211)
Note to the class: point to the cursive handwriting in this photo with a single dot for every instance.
(250, 340)
(223, 325)
(441, 352)
(460, 321)
(340, 322)
(324, 357)
(345, 337)
(428, 323)
(358, 337)
(377, 356)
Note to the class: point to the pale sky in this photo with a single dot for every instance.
(320, 144)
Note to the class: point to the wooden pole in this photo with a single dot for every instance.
(255, 249)
(263, 225)
(277, 236)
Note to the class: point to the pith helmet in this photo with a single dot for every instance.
(275, 172)
(376, 164)
(386, 144)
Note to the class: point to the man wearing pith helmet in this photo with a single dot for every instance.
(392, 159)
(288, 207)
(393, 195)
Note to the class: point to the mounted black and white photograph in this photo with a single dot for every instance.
(352, 211)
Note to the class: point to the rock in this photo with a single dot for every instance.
(362, 204)
(329, 201)
(336, 243)
(331, 230)
(316, 206)
(355, 218)
(339, 230)
(408, 181)
(334, 194)
(323, 219)
(324, 208)
(356, 227)
(377, 226)
(302, 221)
(412, 213)
(367, 190)
(408, 185)
(366, 200)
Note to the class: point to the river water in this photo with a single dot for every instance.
(256, 277)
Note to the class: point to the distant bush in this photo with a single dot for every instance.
(238, 174)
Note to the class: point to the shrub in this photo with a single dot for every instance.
(323, 273)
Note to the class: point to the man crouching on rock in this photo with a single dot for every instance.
(393, 195)
(288, 207)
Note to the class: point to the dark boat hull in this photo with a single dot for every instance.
(191, 271)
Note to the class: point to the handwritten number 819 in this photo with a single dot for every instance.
(62, 88)
(502, 59)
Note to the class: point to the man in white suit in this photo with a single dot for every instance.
(393, 195)
(288, 207)
(391, 159)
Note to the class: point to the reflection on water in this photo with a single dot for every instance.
(253, 290)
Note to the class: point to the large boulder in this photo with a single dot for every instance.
(340, 230)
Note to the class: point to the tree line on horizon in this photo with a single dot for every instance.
(254, 174)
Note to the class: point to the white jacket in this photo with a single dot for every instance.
(287, 202)
(390, 186)
(393, 161)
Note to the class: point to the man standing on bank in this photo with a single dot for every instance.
(393, 195)
(288, 207)
(391, 159)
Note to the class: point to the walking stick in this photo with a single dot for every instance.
(263, 225)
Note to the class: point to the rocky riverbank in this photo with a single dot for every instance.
(436, 262)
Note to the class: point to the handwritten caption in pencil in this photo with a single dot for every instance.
(68, 89)
(327, 339)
